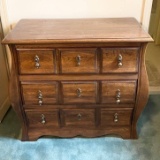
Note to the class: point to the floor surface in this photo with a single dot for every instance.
(146, 147)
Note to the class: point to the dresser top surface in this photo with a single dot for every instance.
(77, 30)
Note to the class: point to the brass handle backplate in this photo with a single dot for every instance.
(79, 92)
(79, 116)
(116, 117)
(78, 60)
(36, 59)
(40, 97)
(43, 121)
(118, 96)
(120, 64)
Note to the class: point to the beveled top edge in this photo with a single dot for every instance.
(76, 31)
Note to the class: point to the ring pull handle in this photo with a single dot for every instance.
(79, 116)
(120, 64)
(43, 121)
(79, 92)
(36, 59)
(118, 96)
(78, 60)
(116, 117)
(40, 97)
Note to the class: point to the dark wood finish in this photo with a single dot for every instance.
(129, 60)
(87, 58)
(36, 116)
(88, 92)
(79, 94)
(78, 118)
(142, 92)
(127, 91)
(30, 92)
(109, 116)
(26, 59)
(77, 30)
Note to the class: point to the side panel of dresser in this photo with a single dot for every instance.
(14, 92)
(142, 91)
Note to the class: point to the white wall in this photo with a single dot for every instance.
(18, 9)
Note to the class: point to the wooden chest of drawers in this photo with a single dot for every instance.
(76, 77)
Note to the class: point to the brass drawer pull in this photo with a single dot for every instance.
(118, 96)
(40, 97)
(36, 59)
(78, 60)
(120, 64)
(79, 92)
(116, 117)
(79, 116)
(43, 121)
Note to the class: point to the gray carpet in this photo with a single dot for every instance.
(153, 74)
(147, 147)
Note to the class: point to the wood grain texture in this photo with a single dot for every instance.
(78, 61)
(77, 30)
(35, 119)
(26, 59)
(116, 117)
(78, 118)
(127, 91)
(70, 92)
(142, 92)
(15, 96)
(123, 132)
(49, 91)
(79, 100)
(110, 60)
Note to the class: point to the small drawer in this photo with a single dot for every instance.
(79, 92)
(36, 61)
(116, 116)
(78, 117)
(78, 61)
(120, 60)
(39, 93)
(42, 118)
(118, 91)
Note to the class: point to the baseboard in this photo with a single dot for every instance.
(154, 90)
(4, 108)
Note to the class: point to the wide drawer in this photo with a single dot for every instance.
(79, 92)
(78, 117)
(115, 116)
(36, 61)
(118, 91)
(120, 60)
(78, 61)
(42, 118)
(39, 93)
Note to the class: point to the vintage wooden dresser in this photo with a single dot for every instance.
(78, 77)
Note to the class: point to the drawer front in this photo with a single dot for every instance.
(42, 118)
(78, 61)
(115, 117)
(40, 93)
(118, 91)
(120, 60)
(36, 61)
(78, 117)
(79, 92)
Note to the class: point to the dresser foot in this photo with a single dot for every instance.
(134, 133)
